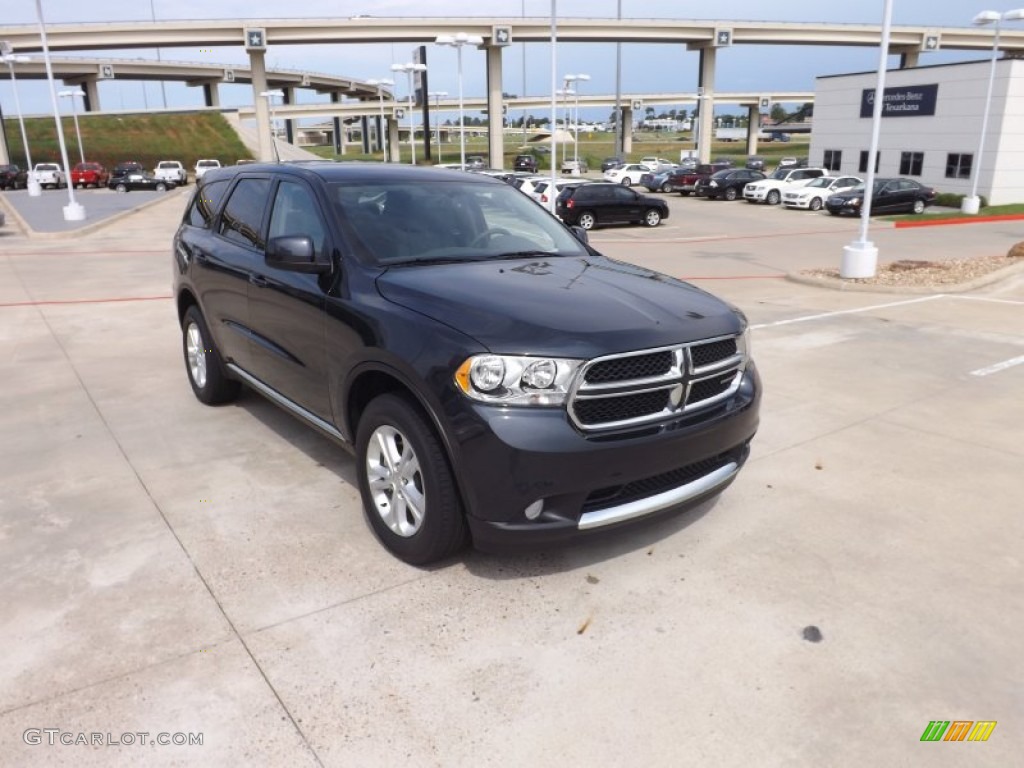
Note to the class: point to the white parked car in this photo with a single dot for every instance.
(540, 190)
(812, 197)
(202, 166)
(770, 190)
(171, 170)
(628, 174)
(49, 175)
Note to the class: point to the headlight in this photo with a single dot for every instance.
(744, 343)
(713, 184)
(516, 380)
(855, 202)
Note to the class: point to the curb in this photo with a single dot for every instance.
(949, 222)
(839, 284)
(92, 226)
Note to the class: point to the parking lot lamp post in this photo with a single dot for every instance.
(383, 123)
(438, 95)
(410, 69)
(270, 96)
(576, 119)
(567, 91)
(79, 94)
(860, 258)
(73, 211)
(972, 204)
(11, 59)
(456, 41)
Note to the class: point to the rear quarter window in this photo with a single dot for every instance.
(205, 203)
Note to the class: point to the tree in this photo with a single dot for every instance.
(778, 113)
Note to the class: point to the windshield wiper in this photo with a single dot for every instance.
(519, 255)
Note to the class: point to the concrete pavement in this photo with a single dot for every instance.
(171, 568)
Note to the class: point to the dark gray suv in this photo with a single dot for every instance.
(495, 377)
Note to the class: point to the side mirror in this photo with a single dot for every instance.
(581, 234)
(295, 254)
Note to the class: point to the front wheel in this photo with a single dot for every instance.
(731, 193)
(919, 206)
(815, 204)
(409, 494)
(586, 220)
(203, 362)
(121, 189)
(161, 187)
(773, 197)
(652, 218)
(626, 181)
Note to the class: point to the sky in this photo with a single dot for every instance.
(645, 68)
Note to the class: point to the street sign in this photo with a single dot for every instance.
(932, 42)
(229, 75)
(106, 72)
(399, 113)
(637, 105)
(305, 81)
(501, 36)
(766, 103)
(723, 38)
(255, 39)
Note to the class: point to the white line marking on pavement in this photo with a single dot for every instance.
(999, 366)
(986, 298)
(808, 318)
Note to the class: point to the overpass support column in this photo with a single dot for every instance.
(289, 125)
(91, 103)
(627, 131)
(377, 134)
(5, 154)
(211, 94)
(495, 113)
(258, 67)
(394, 151)
(753, 127)
(338, 127)
(706, 117)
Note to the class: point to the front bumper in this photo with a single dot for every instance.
(755, 195)
(512, 458)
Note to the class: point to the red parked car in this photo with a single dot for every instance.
(89, 174)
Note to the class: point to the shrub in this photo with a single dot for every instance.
(953, 200)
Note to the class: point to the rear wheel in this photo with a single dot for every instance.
(731, 193)
(120, 189)
(652, 218)
(203, 362)
(773, 197)
(684, 193)
(408, 490)
(919, 206)
(626, 181)
(586, 220)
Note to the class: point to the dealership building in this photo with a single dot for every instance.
(931, 127)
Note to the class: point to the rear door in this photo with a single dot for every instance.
(628, 205)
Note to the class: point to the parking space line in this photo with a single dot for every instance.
(986, 298)
(997, 367)
(822, 315)
(57, 302)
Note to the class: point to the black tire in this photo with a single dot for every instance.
(626, 181)
(652, 217)
(161, 187)
(918, 206)
(586, 220)
(395, 423)
(211, 386)
(834, 213)
(121, 189)
(815, 204)
(684, 193)
(731, 194)
(665, 187)
(774, 198)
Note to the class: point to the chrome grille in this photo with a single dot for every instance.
(653, 385)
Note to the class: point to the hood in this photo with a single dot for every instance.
(560, 306)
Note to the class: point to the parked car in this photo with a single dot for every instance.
(727, 184)
(626, 175)
(813, 195)
(770, 190)
(89, 175)
(203, 166)
(13, 177)
(755, 163)
(686, 181)
(791, 162)
(49, 175)
(541, 188)
(657, 163)
(525, 163)
(527, 185)
(495, 383)
(657, 181)
(588, 205)
(889, 196)
(126, 167)
(573, 167)
(171, 170)
(611, 162)
(139, 181)
(475, 161)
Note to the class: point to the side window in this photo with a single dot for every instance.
(625, 195)
(243, 213)
(205, 203)
(295, 212)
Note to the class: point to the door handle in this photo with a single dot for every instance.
(258, 280)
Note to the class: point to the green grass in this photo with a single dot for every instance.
(147, 138)
(990, 210)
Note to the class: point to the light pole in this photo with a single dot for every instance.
(270, 96)
(77, 94)
(580, 79)
(456, 41)
(383, 122)
(971, 205)
(73, 211)
(410, 69)
(34, 190)
(438, 95)
(566, 92)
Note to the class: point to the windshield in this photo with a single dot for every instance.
(821, 181)
(403, 223)
(780, 174)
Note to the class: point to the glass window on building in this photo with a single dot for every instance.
(833, 159)
(958, 166)
(863, 165)
(910, 163)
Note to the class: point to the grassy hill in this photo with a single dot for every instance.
(148, 138)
